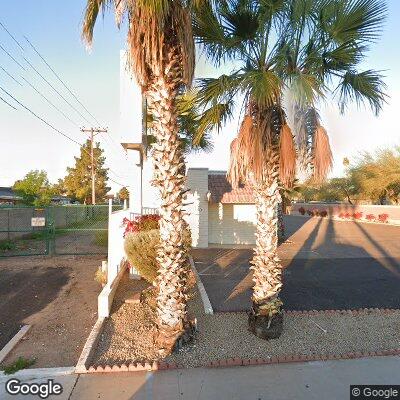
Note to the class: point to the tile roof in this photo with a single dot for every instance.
(222, 192)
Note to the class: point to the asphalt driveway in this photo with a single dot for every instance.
(327, 265)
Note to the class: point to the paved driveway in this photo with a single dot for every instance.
(328, 265)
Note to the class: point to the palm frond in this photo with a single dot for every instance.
(218, 90)
(354, 20)
(322, 155)
(287, 156)
(92, 11)
(362, 87)
(263, 87)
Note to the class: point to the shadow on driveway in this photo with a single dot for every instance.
(327, 265)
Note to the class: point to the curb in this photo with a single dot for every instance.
(89, 347)
(38, 373)
(208, 309)
(6, 350)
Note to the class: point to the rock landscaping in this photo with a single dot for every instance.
(128, 334)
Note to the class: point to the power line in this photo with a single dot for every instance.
(12, 37)
(52, 127)
(61, 81)
(12, 58)
(38, 117)
(30, 64)
(106, 135)
(48, 101)
(20, 84)
(5, 101)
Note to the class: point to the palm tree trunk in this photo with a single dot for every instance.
(267, 270)
(281, 224)
(169, 177)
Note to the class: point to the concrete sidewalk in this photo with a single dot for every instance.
(314, 380)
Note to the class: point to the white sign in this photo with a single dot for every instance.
(38, 221)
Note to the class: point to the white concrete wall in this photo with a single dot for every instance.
(197, 182)
(231, 223)
(130, 104)
(116, 252)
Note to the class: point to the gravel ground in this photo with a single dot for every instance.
(223, 336)
(128, 334)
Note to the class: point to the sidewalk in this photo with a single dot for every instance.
(329, 380)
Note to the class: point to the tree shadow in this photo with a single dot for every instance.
(338, 281)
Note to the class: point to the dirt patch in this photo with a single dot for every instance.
(58, 297)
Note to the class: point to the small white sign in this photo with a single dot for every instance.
(38, 221)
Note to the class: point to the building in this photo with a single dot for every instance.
(8, 196)
(218, 214)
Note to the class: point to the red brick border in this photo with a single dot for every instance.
(233, 362)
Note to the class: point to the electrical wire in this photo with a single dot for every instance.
(60, 80)
(5, 71)
(12, 58)
(39, 117)
(5, 101)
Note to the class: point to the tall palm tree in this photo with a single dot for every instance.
(161, 55)
(277, 46)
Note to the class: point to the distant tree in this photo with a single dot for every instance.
(378, 175)
(123, 194)
(78, 182)
(35, 189)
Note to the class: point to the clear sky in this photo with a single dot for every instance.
(54, 28)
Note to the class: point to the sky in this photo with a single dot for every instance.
(93, 76)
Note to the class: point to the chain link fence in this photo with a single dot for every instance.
(69, 229)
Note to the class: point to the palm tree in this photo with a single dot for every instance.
(276, 46)
(161, 55)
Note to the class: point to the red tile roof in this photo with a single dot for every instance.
(222, 192)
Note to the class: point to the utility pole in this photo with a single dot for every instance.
(93, 132)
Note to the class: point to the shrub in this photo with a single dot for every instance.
(347, 215)
(383, 218)
(141, 223)
(323, 213)
(341, 215)
(302, 210)
(310, 213)
(315, 213)
(141, 250)
(370, 217)
(357, 215)
(100, 276)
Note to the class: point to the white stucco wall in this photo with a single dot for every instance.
(197, 218)
(231, 223)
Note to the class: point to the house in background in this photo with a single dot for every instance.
(218, 214)
(8, 196)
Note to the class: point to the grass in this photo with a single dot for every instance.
(7, 245)
(21, 363)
